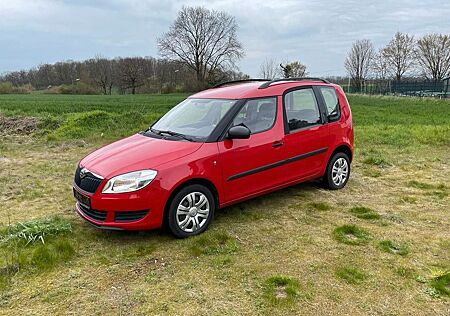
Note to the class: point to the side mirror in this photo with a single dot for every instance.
(239, 132)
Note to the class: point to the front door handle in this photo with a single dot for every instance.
(277, 144)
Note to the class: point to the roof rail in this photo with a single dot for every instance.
(268, 83)
(238, 81)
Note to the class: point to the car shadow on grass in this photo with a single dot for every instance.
(263, 206)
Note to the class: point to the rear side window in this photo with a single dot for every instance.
(331, 102)
(258, 115)
(301, 109)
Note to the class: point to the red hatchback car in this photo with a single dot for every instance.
(221, 146)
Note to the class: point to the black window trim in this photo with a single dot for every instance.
(327, 119)
(320, 106)
(229, 120)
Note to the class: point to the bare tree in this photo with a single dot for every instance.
(381, 65)
(101, 73)
(293, 70)
(131, 73)
(400, 54)
(359, 60)
(433, 54)
(205, 40)
(269, 69)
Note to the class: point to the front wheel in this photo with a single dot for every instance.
(191, 210)
(338, 172)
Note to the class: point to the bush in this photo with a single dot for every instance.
(9, 88)
(77, 88)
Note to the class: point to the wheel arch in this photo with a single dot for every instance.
(343, 148)
(202, 181)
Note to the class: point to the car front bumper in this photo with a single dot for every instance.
(139, 210)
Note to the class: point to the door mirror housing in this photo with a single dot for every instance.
(239, 132)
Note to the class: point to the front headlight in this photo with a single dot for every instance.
(129, 182)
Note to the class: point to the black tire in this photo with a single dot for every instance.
(328, 177)
(182, 196)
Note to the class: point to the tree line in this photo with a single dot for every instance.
(118, 75)
(427, 57)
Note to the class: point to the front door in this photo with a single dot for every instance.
(248, 165)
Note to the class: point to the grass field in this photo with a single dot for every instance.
(381, 246)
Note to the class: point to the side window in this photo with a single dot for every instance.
(301, 109)
(258, 114)
(331, 102)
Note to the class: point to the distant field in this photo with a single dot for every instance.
(380, 246)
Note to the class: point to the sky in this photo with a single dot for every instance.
(319, 33)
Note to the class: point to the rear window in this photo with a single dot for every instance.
(331, 102)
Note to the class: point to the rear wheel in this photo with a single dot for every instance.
(338, 172)
(191, 210)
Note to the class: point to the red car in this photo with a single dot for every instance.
(221, 146)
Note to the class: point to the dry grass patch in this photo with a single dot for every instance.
(18, 125)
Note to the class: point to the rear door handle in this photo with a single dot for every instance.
(277, 144)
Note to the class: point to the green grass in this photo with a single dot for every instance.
(60, 105)
(401, 121)
(89, 117)
(281, 290)
(351, 275)
(320, 206)
(34, 231)
(256, 252)
(36, 246)
(351, 235)
(364, 212)
(442, 284)
(394, 247)
(212, 243)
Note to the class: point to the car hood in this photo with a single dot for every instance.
(136, 152)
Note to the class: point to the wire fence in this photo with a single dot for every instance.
(417, 88)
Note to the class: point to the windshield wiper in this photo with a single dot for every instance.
(171, 133)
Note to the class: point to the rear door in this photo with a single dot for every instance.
(306, 139)
(248, 165)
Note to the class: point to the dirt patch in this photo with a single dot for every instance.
(351, 236)
(18, 125)
(280, 292)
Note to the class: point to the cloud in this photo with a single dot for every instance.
(319, 33)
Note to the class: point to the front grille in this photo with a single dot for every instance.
(99, 216)
(89, 183)
(130, 216)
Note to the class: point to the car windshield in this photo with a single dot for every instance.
(193, 118)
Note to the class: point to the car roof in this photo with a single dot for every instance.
(251, 90)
